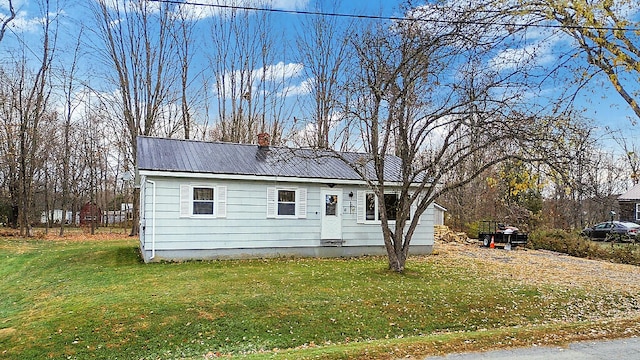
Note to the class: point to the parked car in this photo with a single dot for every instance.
(613, 230)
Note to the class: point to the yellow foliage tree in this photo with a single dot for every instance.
(606, 34)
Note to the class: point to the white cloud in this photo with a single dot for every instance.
(302, 88)
(289, 4)
(236, 81)
(532, 54)
(212, 8)
(17, 5)
(279, 71)
(306, 135)
(131, 5)
(22, 23)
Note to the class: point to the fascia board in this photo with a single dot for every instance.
(178, 174)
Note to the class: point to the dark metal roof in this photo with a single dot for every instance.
(190, 156)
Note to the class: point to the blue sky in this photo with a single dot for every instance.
(600, 102)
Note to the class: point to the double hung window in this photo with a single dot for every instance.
(203, 201)
(369, 210)
(286, 202)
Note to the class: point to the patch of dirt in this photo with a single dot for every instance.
(548, 267)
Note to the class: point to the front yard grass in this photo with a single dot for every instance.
(95, 299)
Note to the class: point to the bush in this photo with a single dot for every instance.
(472, 229)
(575, 245)
(625, 255)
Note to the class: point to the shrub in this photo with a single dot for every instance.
(575, 245)
(625, 255)
(472, 229)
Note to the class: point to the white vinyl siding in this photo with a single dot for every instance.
(246, 226)
(203, 201)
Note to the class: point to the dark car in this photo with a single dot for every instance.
(613, 230)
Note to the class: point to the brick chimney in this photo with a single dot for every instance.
(263, 140)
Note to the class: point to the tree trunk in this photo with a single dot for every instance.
(135, 225)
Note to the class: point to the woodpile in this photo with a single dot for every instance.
(444, 235)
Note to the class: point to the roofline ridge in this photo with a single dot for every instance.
(359, 153)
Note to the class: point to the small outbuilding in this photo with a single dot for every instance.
(208, 200)
(90, 213)
(629, 203)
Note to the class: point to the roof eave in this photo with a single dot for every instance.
(251, 177)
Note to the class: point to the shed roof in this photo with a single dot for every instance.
(631, 195)
(177, 155)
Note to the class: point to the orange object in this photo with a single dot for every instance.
(493, 244)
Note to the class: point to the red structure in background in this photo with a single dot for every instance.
(90, 213)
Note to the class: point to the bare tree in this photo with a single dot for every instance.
(9, 144)
(31, 96)
(183, 36)
(8, 19)
(70, 104)
(631, 155)
(137, 46)
(427, 93)
(323, 45)
(249, 85)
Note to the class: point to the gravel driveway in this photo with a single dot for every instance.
(541, 266)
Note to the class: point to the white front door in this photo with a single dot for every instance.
(331, 214)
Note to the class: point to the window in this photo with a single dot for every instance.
(391, 205)
(638, 211)
(372, 207)
(203, 201)
(367, 207)
(286, 202)
(331, 202)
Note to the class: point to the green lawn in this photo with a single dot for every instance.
(95, 299)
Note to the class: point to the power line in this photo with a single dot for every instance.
(392, 18)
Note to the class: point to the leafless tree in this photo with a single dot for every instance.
(9, 144)
(70, 90)
(30, 99)
(8, 19)
(137, 46)
(631, 155)
(427, 93)
(183, 36)
(323, 45)
(249, 85)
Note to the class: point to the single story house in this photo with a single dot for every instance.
(208, 200)
(629, 203)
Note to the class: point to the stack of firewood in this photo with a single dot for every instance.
(445, 235)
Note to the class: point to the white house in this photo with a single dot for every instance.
(57, 216)
(207, 200)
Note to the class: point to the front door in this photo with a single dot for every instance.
(331, 214)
